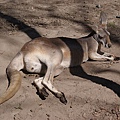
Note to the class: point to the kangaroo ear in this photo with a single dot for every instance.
(103, 19)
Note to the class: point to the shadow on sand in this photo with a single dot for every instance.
(31, 32)
(78, 71)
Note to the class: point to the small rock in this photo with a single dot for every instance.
(31, 110)
(48, 115)
(98, 6)
(70, 106)
(118, 16)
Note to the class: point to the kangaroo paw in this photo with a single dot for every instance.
(41, 92)
(61, 97)
(44, 92)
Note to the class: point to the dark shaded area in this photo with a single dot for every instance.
(42, 94)
(114, 34)
(78, 71)
(31, 32)
(75, 50)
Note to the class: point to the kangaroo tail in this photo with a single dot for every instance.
(15, 83)
(14, 77)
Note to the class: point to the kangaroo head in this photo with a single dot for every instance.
(102, 34)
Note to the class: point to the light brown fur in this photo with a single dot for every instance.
(52, 55)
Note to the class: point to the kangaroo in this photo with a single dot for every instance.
(52, 55)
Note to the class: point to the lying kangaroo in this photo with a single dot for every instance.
(51, 55)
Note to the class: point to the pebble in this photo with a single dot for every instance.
(118, 16)
(98, 6)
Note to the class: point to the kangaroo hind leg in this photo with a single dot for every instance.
(48, 83)
(41, 90)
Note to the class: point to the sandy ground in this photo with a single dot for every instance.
(92, 90)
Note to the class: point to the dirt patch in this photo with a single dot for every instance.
(93, 91)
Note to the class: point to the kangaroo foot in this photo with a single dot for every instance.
(61, 97)
(44, 92)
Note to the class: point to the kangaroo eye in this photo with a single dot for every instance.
(100, 36)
